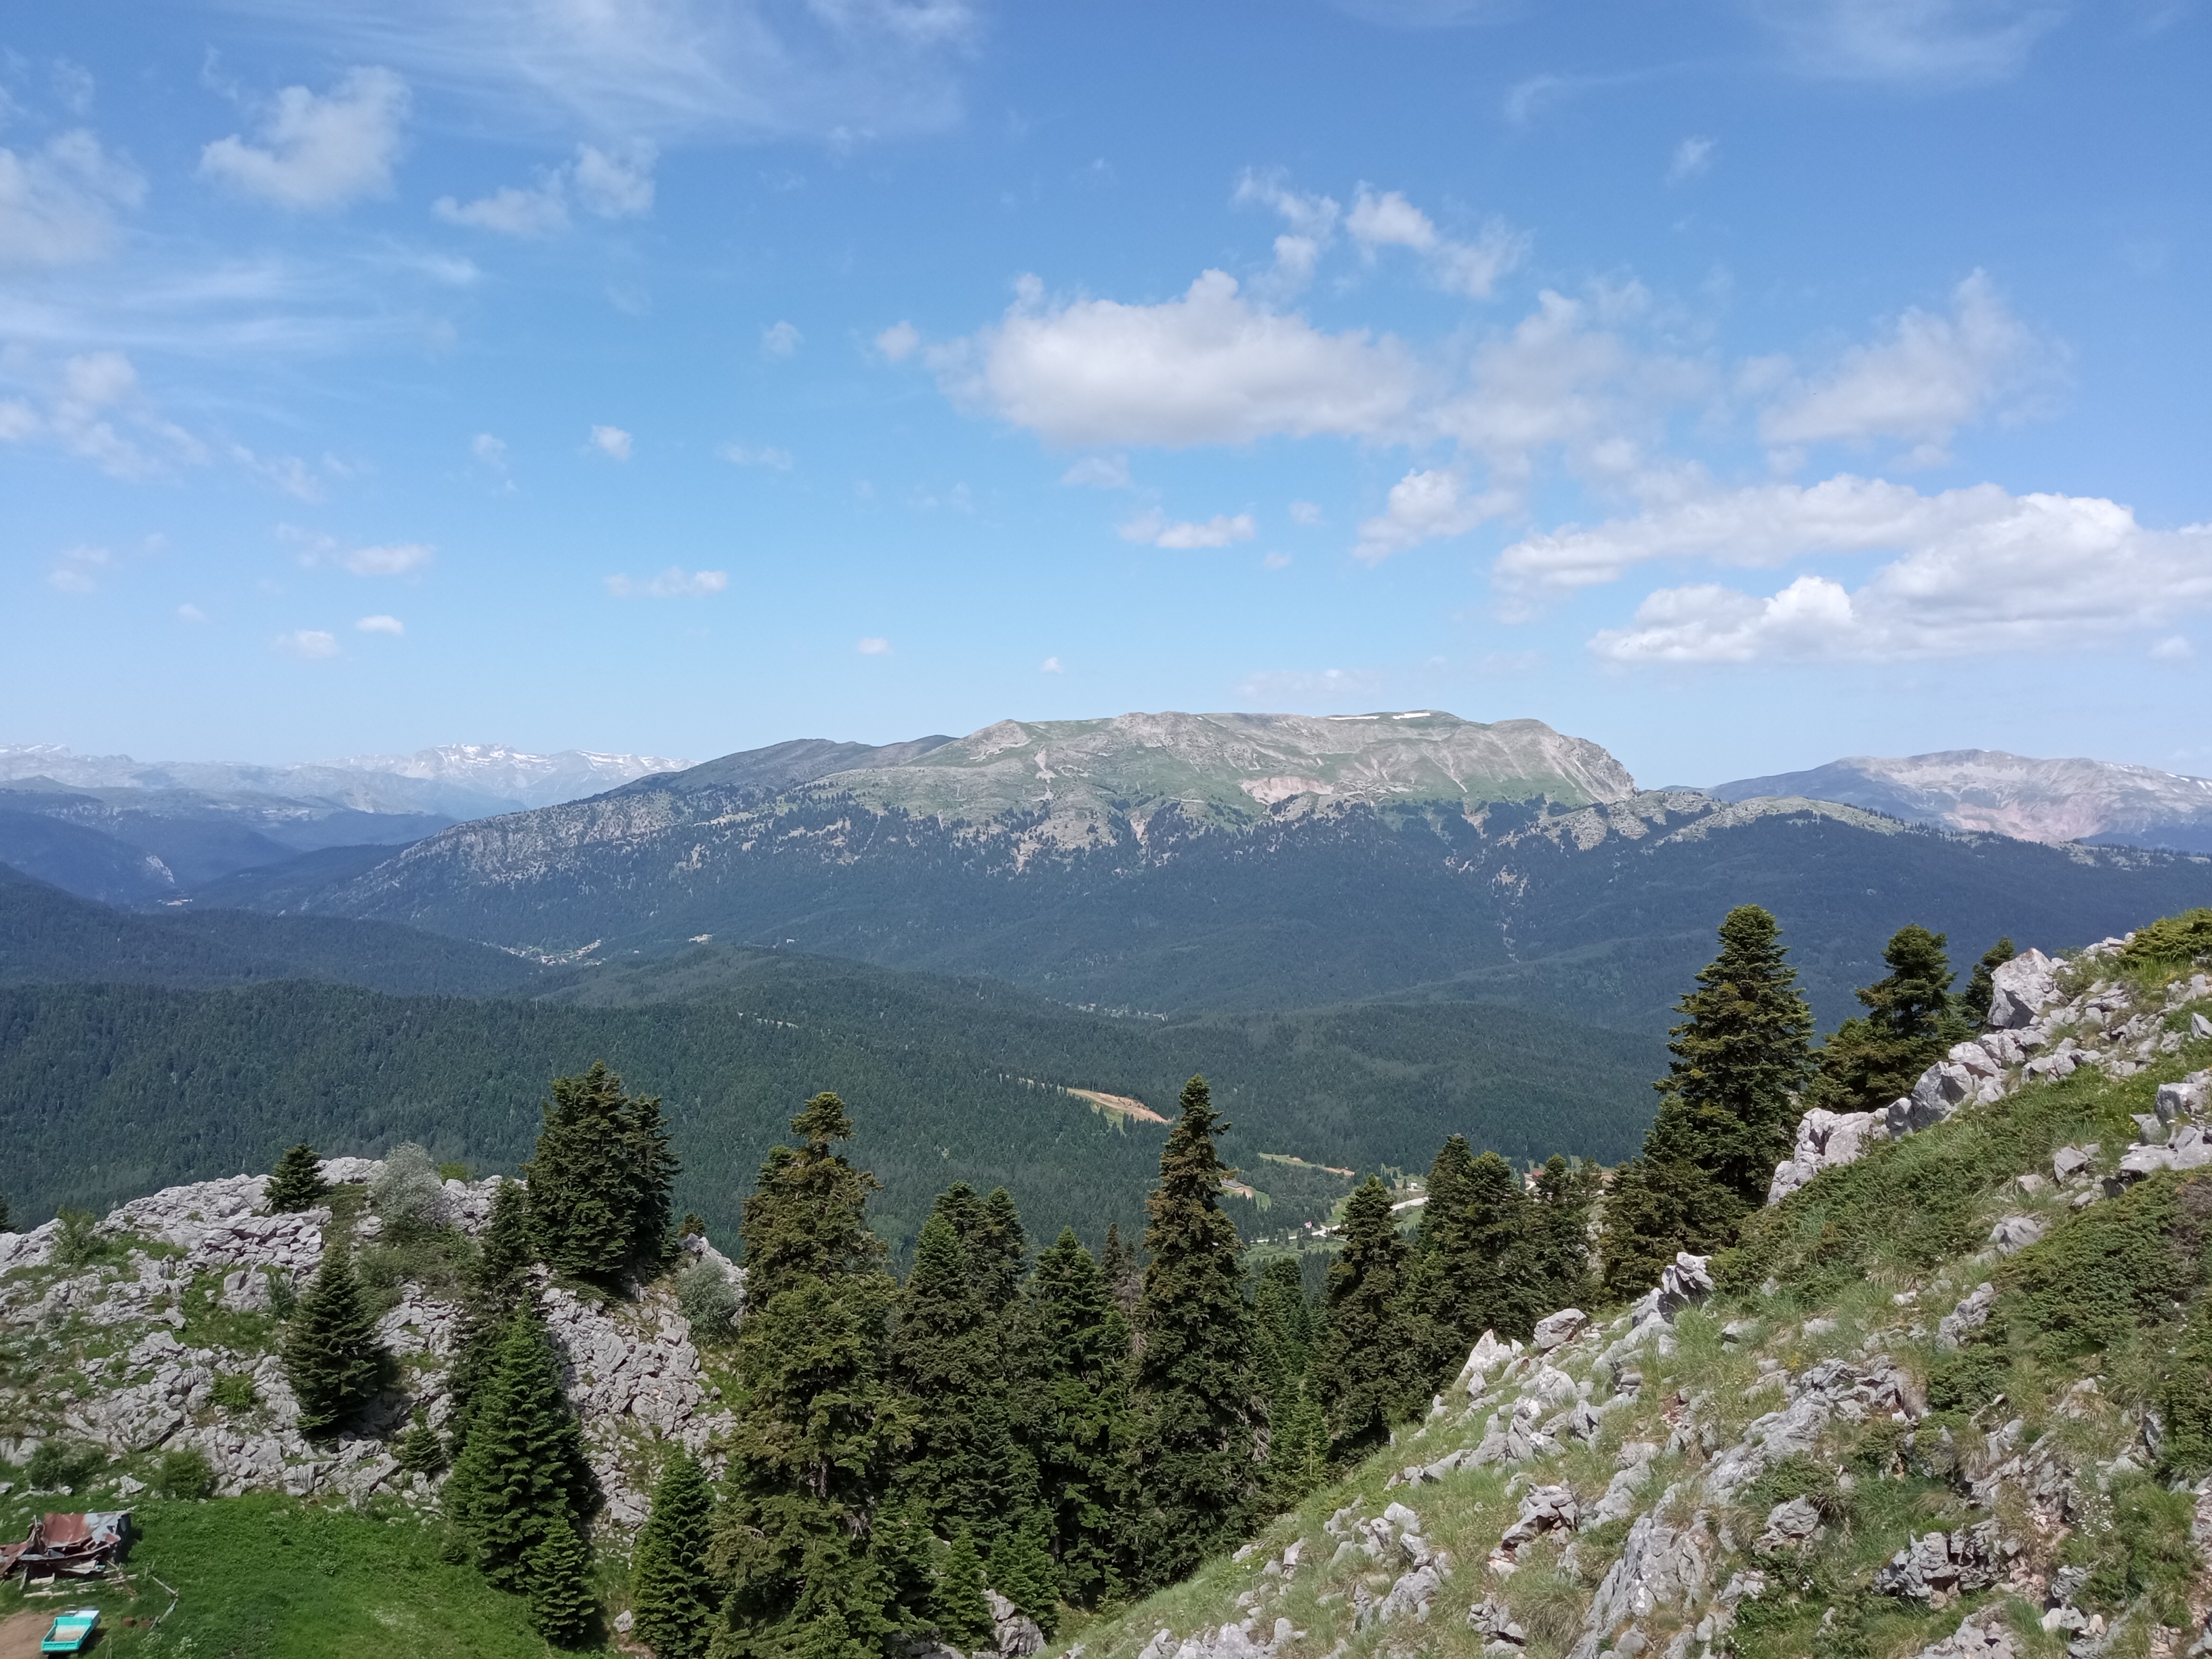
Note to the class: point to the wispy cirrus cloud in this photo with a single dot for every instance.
(672, 70)
(673, 583)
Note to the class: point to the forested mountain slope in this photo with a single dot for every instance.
(49, 936)
(109, 1090)
(1598, 914)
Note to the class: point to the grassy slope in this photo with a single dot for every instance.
(1882, 1248)
(273, 1578)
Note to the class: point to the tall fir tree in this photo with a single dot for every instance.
(1359, 1370)
(601, 1178)
(1910, 1021)
(1021, 1569)
(947, 1360)
(961, 1606)
(1125, 1280)
(520, 1477)
(496, 1285)
(1728, 1107)
(1468, 1269)
(805, 1567)
(996, 1255)
(1553, 1259)
(332, 1358)
(673, 1594)
(1198, 1409)
(556, 1576)
(296, 1184)
(1081, 1389)
(1982, 988)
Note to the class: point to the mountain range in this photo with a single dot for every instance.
(115, 828)
(1176, 862)
(2099, 802)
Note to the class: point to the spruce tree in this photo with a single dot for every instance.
(1125, 1282)
(1982, 988)
(600, 1179)
(1728, 1108)
(960, 1607)
(296, 1184)
(1910, 1021)
(1198, 1403)
(946, 1360)
(1468, 1272)
(1072, 1435)
(496, 1284)
(1359, 1370)
(558, 1579)
(331, 1355)
(1553, 1258)
(997, 1254)
(1022, 1570)
(521, 1476)
(674, 1592)
(813, 1448)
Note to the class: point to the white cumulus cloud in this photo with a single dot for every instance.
(1979, 570)
(1691, 157)
(1209, 367)
(874, 647)
(1219, 531)
(77, 570)
(1424, 506)
(57, 204)
(615, 184)
(673, 583)
(767, 455)
(1099, 472)
(611, 441)
(1927, 376)
(1471, 268)
(1050, 665)
(381, 624)
(898, 341)
(319, 150)
(781, 339)
(311, 643)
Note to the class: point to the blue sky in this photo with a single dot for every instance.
(1738, 383)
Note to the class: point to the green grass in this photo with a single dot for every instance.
(273, 1578)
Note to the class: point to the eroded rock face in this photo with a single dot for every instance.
(632, 1374)
(1826, 1140)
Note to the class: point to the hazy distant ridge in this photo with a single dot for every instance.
(1987, 789)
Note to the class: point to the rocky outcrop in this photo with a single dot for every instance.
(630, 1367)
(2036, 1032)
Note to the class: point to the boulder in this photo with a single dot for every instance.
(1556, 1330)
(1969, 1316)
(1983, 1635)
(1790, 1527)
(2023, 988)
(2187, 1098)
(1487, 1355)
(2016, 1232)
(1826, 1140)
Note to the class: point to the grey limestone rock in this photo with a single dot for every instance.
(2023, 988)
(1556, 1330)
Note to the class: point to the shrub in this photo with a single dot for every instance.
(408, 1193)
(184, 1473)
(2107, 1271)
(2172, 940)
(1968, 1380)
(79, 1245)
(1799, 1477)
(421, 1449)
(709, 1300)
(233, 1392)
(58, 1463)
(2186, 1402)
(455, 1171)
